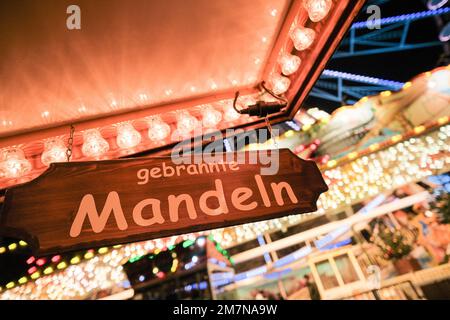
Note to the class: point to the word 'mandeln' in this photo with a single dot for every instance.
(240, 199)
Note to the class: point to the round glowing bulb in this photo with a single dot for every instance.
(289, 63)
(13, 163)
(201, 241)
(157, 129)
(279, 84)
(229, 114)
(303, 38)
(94, 144)
(127, 136)
(317, 9)
(186, 123)
(210, 117)
(54, 151)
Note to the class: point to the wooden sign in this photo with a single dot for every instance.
(80, 205)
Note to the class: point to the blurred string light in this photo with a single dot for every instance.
(362, 178)
(54, 151)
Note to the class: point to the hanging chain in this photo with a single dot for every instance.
(70, 143)
(269, 126)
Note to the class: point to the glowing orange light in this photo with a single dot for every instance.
(94, 145)
(317, 9)
(289, 63)
(303, 38)
(54, 151)
(127, 136)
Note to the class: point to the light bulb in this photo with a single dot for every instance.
(317, 9)
(54, 151)
(210, 117)
(279, 84)
(157, 129)
(303, 38)
(127, 136)
(229, 114)
(201, 241)
(94, 145)
(289, 63)
(13, 163)
(186, 123)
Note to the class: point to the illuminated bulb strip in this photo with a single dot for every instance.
(363, 79)
(402, 18)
